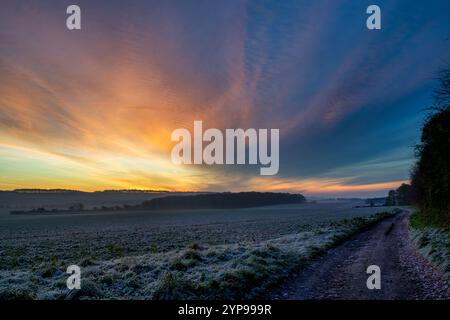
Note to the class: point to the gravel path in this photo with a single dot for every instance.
(341, 273)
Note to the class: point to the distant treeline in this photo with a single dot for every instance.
(78, 191)
(376, 202)
(45, 191)
(222, 201)
(430, 178)
(135, 191)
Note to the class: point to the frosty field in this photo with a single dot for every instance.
(168, 254)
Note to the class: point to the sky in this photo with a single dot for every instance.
(94, 109)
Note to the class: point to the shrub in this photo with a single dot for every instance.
(16, 294)
(174, 287)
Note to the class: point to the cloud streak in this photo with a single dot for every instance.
(99, 105)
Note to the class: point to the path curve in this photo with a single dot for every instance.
(341, 273)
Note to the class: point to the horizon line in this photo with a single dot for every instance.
(62, 190)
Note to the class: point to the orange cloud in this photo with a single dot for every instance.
(320, 186)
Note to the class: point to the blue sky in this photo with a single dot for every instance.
(94, 108)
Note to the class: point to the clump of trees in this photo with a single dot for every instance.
(402, 196)
(226, 200)
(430, 177)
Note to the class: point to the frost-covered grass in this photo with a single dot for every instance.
(28, 242)
(241, 265)
(433, 243)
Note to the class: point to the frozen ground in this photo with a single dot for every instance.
(434, 244)
(168, 254)
(341, 273)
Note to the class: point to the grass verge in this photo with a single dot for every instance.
(432, 242)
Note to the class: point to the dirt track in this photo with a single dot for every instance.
(341, 273)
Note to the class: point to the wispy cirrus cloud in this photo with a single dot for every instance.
(100, 104)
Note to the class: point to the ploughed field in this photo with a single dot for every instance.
(226, 253)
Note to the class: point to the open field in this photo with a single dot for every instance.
(170, 254)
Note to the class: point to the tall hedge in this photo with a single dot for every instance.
(430, 176)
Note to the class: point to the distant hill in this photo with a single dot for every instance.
(224, 200)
